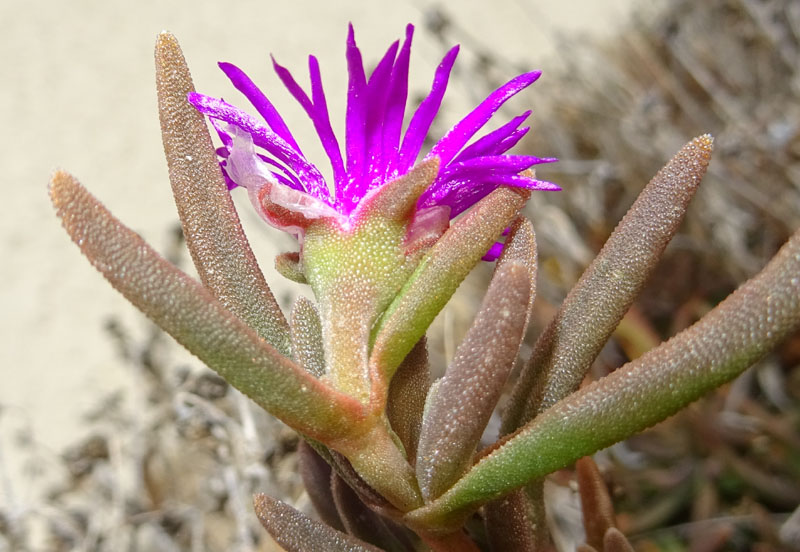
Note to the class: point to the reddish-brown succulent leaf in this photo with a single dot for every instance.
(615, 541)
(363, 523)
(296, 532)
(317, 474)
(367, 494)
(306, 332)
(517, 521)
(598, 511)
(436, 278)
(219, 248)
(407, 393)
(471, 387)
(716, 349)
(594, 307)
(189, 313)
(396, 199)
(520, 247)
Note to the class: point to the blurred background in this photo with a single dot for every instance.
(113, 438)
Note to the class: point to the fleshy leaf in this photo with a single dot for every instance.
(317, 474)
(189, 313)
(360, 521)
(367, 494)
(518, 521)
(407, 393)
(306, 331)
(396, 199)
(594, 307)
(731, 337)
(472, 385)
(219, 248)
(289, 266)
(598, 511)
(296, 532)
(436, 278)
(615, 541)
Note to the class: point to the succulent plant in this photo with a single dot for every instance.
(390, 459)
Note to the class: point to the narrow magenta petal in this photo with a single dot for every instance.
(264, 138)
(487, 145)
(423, 117)
(494, 252)
(376, 96)
(376, 151)
(260, 101)
(459, 135)
(317, 112)
(294, 89)
(492, 164)
(510, 141)
(325, 130)
(355, 117)
(396, 105)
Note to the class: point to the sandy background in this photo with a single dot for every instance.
(77, 92)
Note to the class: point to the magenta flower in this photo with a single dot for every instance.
(265, 158)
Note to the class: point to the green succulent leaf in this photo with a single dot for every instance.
(593, 308)
(188, 312)
(438, 276)
(716, 349)
(225, 263)
(296, 532)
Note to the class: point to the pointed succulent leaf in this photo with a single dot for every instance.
(407, 393)
(306, 330)
(605, 291)
(289, 266)
(361, 522)
(474, 381)
(438, 275)
(367, 494)
(598, 511)
(296, 532)
(317, 474)
(716, 349)
(615, 541)
(520, 248)
(219, 248)
(517, 521)
(189, 313)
